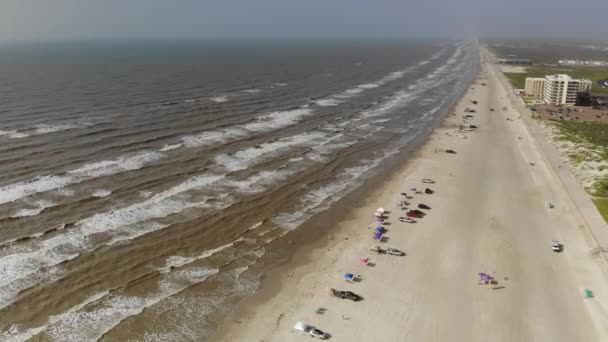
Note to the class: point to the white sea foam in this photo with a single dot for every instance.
(252, 91)
(369, 86)
(120, 164)
(328, 102)
(212, 137)
(321, 198)
(276, 120)
(219, 99)
(39, 207)
(20, 265)
(393, 76)
(101, 193)
(91, 320)
(15, 191)
(108, 312)
(41, 129)
(121, 223)
(13, 134)
(15, 335)
(45, 128)
(170, 147)
(280, 84)
(253, 155)
(264, 123)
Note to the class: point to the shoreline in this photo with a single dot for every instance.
(298, 263)
(488, 214)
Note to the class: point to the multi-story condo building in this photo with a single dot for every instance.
(535, 86)
(559, 89)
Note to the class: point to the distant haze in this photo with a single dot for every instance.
(121, 19)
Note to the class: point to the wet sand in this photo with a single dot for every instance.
(489, 214)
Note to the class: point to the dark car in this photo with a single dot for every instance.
(346, 295)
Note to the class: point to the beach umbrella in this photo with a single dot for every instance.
(484, 277)
(380, 229)
(377, 214)
(364, 261)
(377, 236)
(349, 276)
(380, 219)
(380, 210)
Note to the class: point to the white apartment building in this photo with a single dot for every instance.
(559, 89)
(535, 86)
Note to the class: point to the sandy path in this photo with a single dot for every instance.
(489, 214)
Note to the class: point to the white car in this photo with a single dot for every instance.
(394, 251)
(556, 246)
(318, 333)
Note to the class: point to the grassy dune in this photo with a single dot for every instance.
(589, 156)
(594, 74)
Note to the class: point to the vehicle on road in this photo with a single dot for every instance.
(310, 330)
(345, 295)
(406, 219)
(556, 246)
(394, 251)
(318, 333)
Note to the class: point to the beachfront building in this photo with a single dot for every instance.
(535, 86)
(515, 61)
(559, 89)
(563, 90)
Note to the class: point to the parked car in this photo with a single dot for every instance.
(556, 246)
(394, 251)
(318, 333)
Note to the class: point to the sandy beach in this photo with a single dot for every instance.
(488, 213)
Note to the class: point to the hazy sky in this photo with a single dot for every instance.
(76, 19)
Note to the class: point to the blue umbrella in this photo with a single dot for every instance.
(380, 229)
(349, 276)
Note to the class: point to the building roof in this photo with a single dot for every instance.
(558, 77)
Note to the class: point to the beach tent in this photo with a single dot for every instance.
(301, 326)
(484, 277)
(349, 276)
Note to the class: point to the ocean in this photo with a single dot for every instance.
(145, 186)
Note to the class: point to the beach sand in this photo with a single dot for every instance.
(489, 214)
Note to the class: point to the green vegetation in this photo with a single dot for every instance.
(586, 132)
(592, 137)
(594, 74)
(602, 206)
